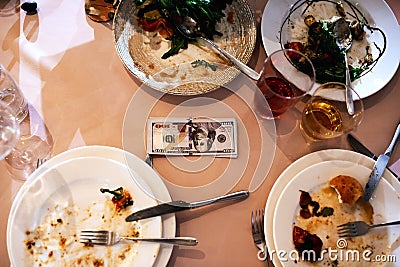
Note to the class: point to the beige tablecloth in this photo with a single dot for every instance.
(69, 71)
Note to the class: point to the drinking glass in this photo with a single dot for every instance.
(9, 130)
(286, 77)
(11, 94)
(35, 142)
(33, 147)
(325, 115)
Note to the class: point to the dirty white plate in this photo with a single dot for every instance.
(379, 15)
(63, 200)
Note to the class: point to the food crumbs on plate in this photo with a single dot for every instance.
(231, 18)
(55, 240)
(325, 207)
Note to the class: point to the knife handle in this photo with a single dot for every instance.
(389, 150)
(233, 196)
(176, 241)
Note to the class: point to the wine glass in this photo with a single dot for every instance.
(9, 130)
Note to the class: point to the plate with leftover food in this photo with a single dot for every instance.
(150, 177)
(86, 193)
(151, 48)
(323, 196)
(308, 26)
(303, 163)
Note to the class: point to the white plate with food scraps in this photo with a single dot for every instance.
(150, 177)
(52, 208)
(378, 14)
(303, 163)
(191, 71)
(385, 203)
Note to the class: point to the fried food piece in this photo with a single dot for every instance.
(348, 188)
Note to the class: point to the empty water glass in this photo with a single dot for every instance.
(11, 94)
(9, 130)
(35, 143)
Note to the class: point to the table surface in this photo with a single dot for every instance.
(68, 69)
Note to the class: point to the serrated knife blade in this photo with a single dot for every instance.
(375, 176)
(360, 148)
(379, 167)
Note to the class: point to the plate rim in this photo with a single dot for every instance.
(168, 220)
(391, 30)
(323, 164)
(131, 177)
(304, 162)
(142, 76)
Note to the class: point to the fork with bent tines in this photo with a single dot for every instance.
(358, 228)
(109, 238)
(257, 230)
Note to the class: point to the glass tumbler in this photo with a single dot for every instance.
(11, 94)
(35, 143)
(286, 77)
(33, 147)
(325, 115)
(9, 130)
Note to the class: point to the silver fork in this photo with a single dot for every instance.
(109, 238)
(257, 229)
(353, 229)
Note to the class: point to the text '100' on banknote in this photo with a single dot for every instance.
(193, 136)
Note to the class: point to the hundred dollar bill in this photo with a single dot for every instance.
(193, 136)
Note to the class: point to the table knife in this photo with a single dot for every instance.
(360, 148)
(181, 205)
(379, 167)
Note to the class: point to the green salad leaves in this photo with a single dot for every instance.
(318, 40)
(327, 58)
(207, 13)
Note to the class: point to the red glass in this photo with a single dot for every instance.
(281, 83)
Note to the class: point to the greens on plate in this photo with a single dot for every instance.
(159, 15)
(309, 28)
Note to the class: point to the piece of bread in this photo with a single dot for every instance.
(348, 188)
